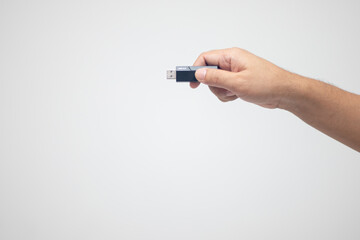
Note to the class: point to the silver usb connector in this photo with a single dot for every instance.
(171, 74)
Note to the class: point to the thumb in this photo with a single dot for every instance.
(216, 78)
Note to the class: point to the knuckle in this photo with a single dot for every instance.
(238, 51)
(203, 54)
(208, 77)
(206, 80)
(215, 80)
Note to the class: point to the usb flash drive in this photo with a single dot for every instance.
(185, 73)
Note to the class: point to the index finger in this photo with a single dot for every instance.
(202, 60)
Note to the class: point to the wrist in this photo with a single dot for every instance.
(296, 88)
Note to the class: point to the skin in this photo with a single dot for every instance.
(243, 75)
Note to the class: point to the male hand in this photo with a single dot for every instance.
(242, 75)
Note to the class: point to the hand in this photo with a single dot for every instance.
(242, 75)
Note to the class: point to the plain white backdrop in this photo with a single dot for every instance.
(95, 143)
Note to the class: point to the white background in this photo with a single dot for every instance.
(95, 143)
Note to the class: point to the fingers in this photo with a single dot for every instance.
(200, 61)
(194, 84)
(214, 58)
(223, 94)
(217, 78)
(221, 58)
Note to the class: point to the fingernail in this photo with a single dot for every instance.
(200, 74)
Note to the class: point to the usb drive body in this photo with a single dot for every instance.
(185, 73)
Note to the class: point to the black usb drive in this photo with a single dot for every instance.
(185, 73)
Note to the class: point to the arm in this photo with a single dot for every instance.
(243, 75)
(329, 109)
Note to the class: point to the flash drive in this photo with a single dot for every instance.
(185, 73)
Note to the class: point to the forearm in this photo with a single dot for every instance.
(243, 75)
(329, 109)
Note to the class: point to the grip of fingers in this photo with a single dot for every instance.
(216, 78)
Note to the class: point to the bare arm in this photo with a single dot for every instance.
(243, 75)
(329, 109)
